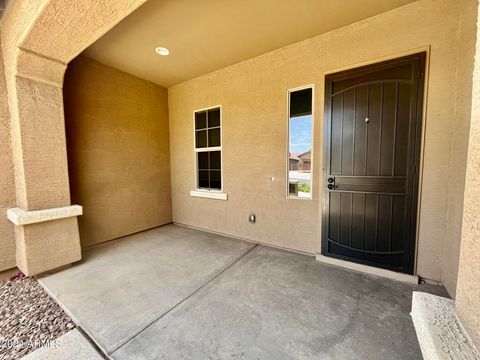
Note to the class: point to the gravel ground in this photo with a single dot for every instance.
(29, 318)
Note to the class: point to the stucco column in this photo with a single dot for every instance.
(468, 285)
(43, 242)
(39, 38)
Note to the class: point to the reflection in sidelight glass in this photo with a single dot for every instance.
(300, 141)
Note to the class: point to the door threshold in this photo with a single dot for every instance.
(406, 278)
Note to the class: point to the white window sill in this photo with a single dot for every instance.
(218, 195)
(292, 197)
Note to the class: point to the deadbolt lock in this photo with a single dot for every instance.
(331, 183)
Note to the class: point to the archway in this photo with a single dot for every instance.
(39, 40)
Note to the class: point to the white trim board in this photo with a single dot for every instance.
(26, 217)
(410, 279)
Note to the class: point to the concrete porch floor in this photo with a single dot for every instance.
(174, 292)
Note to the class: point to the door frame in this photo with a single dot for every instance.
(419, 151)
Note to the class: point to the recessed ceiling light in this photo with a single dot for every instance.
(162, 51)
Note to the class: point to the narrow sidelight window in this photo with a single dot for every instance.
(300, 143)
(208, 149)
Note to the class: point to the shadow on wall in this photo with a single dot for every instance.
(118, 151)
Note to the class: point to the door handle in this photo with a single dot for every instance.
(331, 183)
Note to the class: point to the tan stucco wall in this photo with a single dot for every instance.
(468, 291)
(466, 35)
(253, 95)
(118, 151)
(7, 186)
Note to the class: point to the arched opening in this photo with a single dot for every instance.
(46, 235)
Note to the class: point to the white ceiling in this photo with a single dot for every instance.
(207, 35)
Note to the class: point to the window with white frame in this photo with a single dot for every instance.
(300, 143)
(208, 149)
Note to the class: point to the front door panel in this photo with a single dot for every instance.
(372, 145)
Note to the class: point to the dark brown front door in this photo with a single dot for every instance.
(372, 147)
